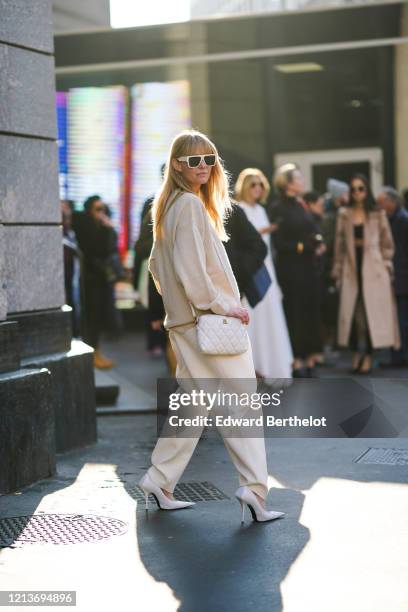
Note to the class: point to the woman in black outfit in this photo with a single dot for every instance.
(246, 249)
(95, 238)
(155, 333)
(298, 247)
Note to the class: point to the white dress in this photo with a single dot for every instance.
(267, 329)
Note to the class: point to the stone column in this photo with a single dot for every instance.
(38, 366)
(401, 105)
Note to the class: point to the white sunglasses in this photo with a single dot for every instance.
(193, 161)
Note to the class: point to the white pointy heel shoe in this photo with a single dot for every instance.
(259, 514)
(164, 503)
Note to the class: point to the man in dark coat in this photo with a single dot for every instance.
(390, 200)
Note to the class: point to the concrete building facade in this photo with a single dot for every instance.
(40, 409)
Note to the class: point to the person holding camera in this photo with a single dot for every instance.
(95, 238)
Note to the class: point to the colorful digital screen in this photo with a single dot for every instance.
(62, 143)
(96, 152)
(159, 112)
(99, 154)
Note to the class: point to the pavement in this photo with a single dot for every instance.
(343, 544)
(136, 375)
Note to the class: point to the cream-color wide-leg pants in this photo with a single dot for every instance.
(172, 454)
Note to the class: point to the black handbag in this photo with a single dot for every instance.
(258, 286)
(113, 269)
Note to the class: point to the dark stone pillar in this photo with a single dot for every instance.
(73, 394)
(46, 387)
(27, 428)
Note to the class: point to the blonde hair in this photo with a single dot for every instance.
(242, 185)
(214, 194)
(283, 176)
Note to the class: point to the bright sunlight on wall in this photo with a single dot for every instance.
(129, 14)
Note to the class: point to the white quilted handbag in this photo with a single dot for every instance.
(221, 335)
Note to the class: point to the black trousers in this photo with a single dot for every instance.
(95, 289)
(360, 331)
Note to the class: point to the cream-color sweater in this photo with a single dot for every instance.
(189, 264)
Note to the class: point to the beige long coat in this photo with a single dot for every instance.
(377, 272)
(189, 264)
(192, 272)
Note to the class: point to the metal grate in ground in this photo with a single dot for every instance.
(58, 529)
(384, 456)
(189, 491)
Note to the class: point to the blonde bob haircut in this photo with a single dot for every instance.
(214, 194)
(283, 176)
(242, 186)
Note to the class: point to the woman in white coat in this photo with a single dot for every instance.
(267, 327)
(192, 272)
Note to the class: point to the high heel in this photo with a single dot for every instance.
(369, 370)
(299, 373)
(259, 514)
(310, 372)
(242, 511)
(356, 369)
(163, 502)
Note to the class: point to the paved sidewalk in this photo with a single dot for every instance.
(136, 374)
(342, 546)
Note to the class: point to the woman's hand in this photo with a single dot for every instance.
(239, 313)
(105, 220)
(321, 249)
(156, 325)
(390, 269)
(268, 229)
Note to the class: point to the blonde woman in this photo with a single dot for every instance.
(193, 274)
(267, 325)
(298, 249)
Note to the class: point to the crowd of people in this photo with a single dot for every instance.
(317, 272)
